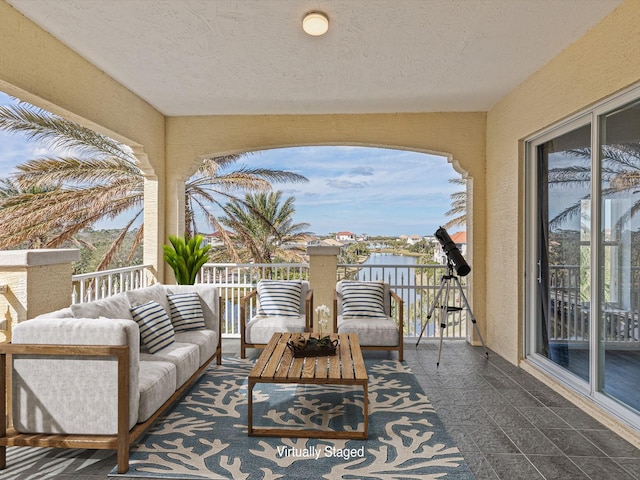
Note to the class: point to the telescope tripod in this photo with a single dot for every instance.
(445, 308)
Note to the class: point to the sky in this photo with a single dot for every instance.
(357, 189)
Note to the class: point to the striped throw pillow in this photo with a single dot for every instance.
(363, 300)
(186, 311)
(155, 326)
(279, 298)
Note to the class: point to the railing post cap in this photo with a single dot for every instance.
(38, 257)
(323, 250)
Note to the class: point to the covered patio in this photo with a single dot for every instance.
(472, 81)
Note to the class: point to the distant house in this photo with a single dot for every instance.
(459, 238)
(213, 239)
(345, 237)
(413, 239)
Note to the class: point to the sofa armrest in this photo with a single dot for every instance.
(73, 393)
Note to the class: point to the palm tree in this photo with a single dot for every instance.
(51, 199)
(458, 205)
(264, 229)
(620, 169)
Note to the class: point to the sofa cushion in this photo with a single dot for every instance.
(186, 311)
(206, 340)
(185, 357)
(154, 293)
(112, 307)
(363, 300)
(279, 298)
(156, 330)
(157, 384)
(260, 329)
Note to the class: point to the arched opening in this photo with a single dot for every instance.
(386, 203)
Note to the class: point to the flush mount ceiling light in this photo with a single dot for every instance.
(315, 23)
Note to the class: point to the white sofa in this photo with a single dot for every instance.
(86, 373)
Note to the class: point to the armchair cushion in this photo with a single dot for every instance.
(186, 311)
(363, 300)
(378, 332)
(260, 329)
(279, 298)
(156, 330)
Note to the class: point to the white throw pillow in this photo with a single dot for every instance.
(363, 300)
(156, 330)
(186, 311)
(279, 298)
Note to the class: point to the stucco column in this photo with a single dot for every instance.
(33, 282)
(323, 274)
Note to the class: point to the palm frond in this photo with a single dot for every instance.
(115, 246)
(56, 132)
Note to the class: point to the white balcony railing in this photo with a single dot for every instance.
(569, 313)
(416, 284)
(104, 283)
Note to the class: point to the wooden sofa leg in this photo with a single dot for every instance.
(123, 459)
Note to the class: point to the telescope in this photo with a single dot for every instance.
(453, 253)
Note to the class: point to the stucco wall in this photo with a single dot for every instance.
(37, 68)
(605, 60)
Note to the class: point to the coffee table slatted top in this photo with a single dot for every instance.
(278, 365)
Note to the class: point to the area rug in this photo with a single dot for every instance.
(205, 434)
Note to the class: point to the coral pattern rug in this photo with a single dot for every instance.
(205, 434)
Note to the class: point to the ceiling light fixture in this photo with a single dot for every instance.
(315, 23)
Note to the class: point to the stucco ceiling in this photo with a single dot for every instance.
(207, 57)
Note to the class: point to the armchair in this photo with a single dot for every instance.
(282, 306)
(364, 308)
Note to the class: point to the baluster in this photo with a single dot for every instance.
(103, 289)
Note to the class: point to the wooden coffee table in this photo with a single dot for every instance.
(277, 364)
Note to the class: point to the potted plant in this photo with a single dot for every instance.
(185, 256)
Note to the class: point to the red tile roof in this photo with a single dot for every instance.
(459, 237)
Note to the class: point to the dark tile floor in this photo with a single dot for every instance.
(507, 424)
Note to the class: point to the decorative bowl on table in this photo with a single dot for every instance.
(301, 346)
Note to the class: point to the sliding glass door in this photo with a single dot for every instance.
(619, 237)
(583, 253)
(564, 209)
